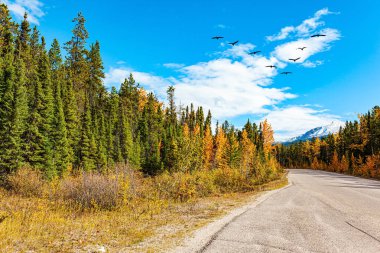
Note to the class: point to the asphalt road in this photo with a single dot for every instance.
(318, 212)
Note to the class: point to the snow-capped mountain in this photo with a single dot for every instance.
(321, 131)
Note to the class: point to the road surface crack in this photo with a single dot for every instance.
(364, 232)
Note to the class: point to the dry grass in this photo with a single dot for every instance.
(144, 215)
(26, 182)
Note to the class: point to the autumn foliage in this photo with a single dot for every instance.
(354, 150)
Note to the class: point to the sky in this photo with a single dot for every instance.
(169, 43)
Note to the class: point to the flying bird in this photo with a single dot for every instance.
(217, 37)
(254, 52)
(285, 73)
(233, 43)
(317, 35)
(302, 48)
(271, 66)
(294, 60)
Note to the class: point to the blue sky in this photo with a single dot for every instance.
(168, 43)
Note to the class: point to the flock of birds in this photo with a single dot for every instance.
(272, 66)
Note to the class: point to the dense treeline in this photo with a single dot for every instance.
(56, 116)
(355, 149)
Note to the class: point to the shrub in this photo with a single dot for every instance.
(26, 182)
(230, 180)
(91, 190)
(204, 183)
(178, 186)
(183, 186)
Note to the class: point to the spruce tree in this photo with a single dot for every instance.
(71, 118)
(126, 139)
(96, 74)
(35, 141)
(76, 59)
(87, 146)
(12, 113)
(47, 112)
(112, 147)
(60, 144)
(7, 29)
(23, 41)
(55, 57)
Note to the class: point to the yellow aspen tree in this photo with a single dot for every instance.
(247, 154)
(196, 148)
(184, 150)
(334, 166)
(344, 164)
(306, 151)
(359, 163)
(208, 147)
(316, 147)
(221, 148)
(142, 99)
(315, 164)
(371, 166)
(354, 167)
(267, 136)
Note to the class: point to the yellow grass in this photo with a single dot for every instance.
(142, 224)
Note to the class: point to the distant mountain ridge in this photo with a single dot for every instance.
(321, 131)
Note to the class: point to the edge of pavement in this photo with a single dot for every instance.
(203, 237)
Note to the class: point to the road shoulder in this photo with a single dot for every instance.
(203, 237)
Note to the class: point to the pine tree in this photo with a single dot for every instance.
(76, 59)
(112, 146)
(87, 146)
(71, 118)
(7, 29)
(233, 149)
(172, 108)
(12, 113)
(96, 75)
(100, 139)
(55, 57)
(126, 139)
(23, 40)
(47, 109)
(150, 128)
(184, 151)
(35, 141)
(60, 144)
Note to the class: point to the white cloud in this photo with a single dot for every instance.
(32, 7)
(296, 120)
(115, 76)
(311, 64)
(229, 88)
(221, 26)
(283, 34)
(304, 29)
(173, 65)
(289, 50)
